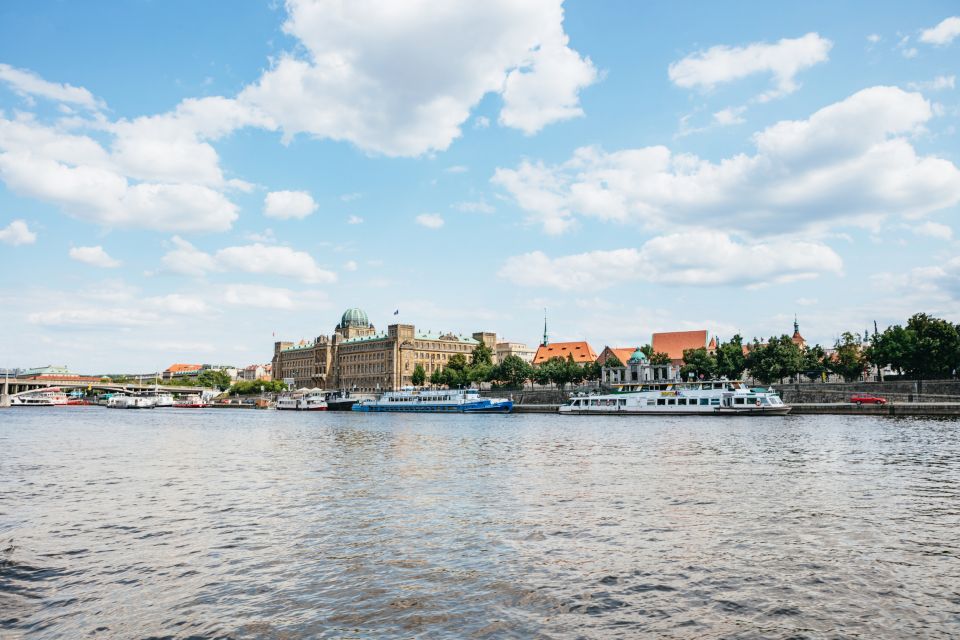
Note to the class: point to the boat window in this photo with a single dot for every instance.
(671, 401)
(738, 401)
(704, 401)
(621, 402)
(715, 402)
(682, 402)
(661, 402)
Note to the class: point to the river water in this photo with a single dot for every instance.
(178, 523)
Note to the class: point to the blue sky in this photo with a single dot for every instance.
(180, 181)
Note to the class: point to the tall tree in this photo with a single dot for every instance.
(513, 371)
(775, 360)
(848, 359)
(436, 378)
(698, 363)
(730, 359)
(659, 358)
(482, 354)
(419, 375)
(813, 362)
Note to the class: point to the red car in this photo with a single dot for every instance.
(866, 398)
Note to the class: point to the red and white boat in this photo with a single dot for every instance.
(51, 397)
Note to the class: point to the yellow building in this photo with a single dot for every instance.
(359, 358)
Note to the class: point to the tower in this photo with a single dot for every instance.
(546, 341)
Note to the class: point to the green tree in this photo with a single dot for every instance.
(214, 378)
(558, 373)
(482, 354)
(849, 359)
(575, 372)
(513, 371)
(814, 362)
(647, 350)
(730, 359)
(456, 373)
(776, 360)
(936, 349)
(253, 387)
(419, 375)
(659, 358)
(699, 363)
(592, 370)
(612, 362)
(436, 377)
(541, 373)
(480, 372)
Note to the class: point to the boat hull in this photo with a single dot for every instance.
(467, 407)
(714, 411)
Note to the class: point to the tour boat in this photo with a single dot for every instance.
(51, 397)
(120, 401)
(163, 400)
(302, 400)
(704, 397)
(435, 401)
(192, 401)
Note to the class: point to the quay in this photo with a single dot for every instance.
(924, 409)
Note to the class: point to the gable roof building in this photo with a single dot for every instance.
(581, 352)
(673, 343)
(622, 353)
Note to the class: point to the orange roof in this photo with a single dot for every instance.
(581, 352)
(177, 368)
(673, 343)
(623, 354)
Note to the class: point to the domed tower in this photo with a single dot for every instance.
(354, 324)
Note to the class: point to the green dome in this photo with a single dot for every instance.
(354, 318)
(638, 356)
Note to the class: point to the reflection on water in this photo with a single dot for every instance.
(256, 524)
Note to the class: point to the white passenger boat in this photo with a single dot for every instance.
(163, 400)
(120, 401)
(52, 397)
(303, 400)
(705, 397)
(435, 401)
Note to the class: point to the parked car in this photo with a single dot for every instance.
(865, 398)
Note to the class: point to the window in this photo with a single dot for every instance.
(661, 402)
(738, 401)
(715, 402)
(704, 402)
(682, 402)
(671, 401)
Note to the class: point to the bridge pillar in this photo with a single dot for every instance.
(5, 396)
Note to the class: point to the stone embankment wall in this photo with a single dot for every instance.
(897, 391)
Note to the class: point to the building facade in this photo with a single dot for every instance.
(357, 357)
(519, 349)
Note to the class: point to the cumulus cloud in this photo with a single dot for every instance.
(79, 175)
(479, 206)
(430, 220)
(942, 34)
(721, 64)
(27, 83)
(848, 162)
(289, 204)
(255, 258)
(94, 256)
(178, 303)
(729, 116)
(354, 220)
(697, 258)
(370, 75)
(933, 230)
(937, 84)
(93, 317)
(17, 233)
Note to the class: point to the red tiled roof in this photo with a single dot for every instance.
(581, 352)
(673, 343)
(178, 368)
(623, 354)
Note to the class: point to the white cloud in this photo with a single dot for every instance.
(474, 207)
(370, 73)
(273, 260)
(909, 52)
(874, 38)
(250, 295)
(187, 260)
(27, 83)
(288, 204)
(807, 302)
(430, 220)
(17, 233)
(350, 265)
(695, 258)
(729, 116)
(481, 122)
(350, 197)
(849, 162)
(93, 317)
(94, 256)
(937, 84)
(933, 230)
(354, 220)
(942, 34)
(79, 175)
(721, 64)
(457, 168)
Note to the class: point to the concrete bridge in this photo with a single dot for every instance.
(15, 386)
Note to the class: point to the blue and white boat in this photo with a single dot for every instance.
(436, 401)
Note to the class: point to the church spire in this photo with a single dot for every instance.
(796, 325)
(546, 341)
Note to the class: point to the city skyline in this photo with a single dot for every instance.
(173, 191)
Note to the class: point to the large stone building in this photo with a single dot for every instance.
(360, 358)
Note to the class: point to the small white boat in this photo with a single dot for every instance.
(120, 401)
(163, 400)
(303, 400)
(52, 397)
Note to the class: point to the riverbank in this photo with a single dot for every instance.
(925, 409)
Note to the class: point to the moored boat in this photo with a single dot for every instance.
(303, 400)
(51, 397)
(704, 397)
(435, 401)
(121, 401)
